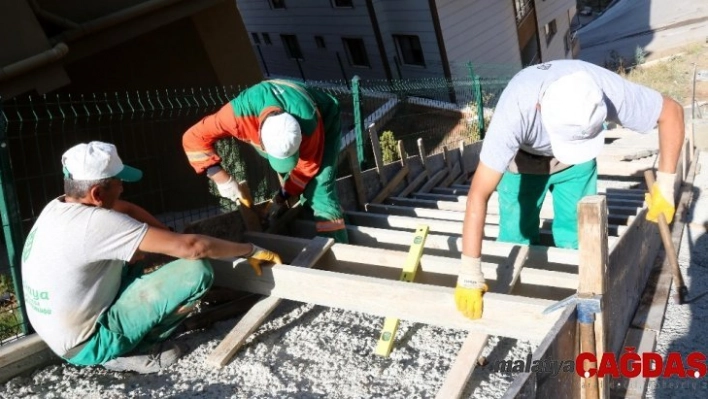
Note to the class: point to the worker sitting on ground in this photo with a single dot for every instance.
(547, 130)
(86, 292)
(296, 128)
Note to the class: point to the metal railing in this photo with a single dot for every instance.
(147, 128)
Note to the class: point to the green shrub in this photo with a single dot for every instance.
(389, 147)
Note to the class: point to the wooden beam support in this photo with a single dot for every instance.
(413, 185)
(442, 270)
(541, 257)
(592, 239)
(467, 358)
(378, 157)
(505, 315)
(435, 180)
(388, 188)
(423, 156)
(228, 347)
(356, 175)
(493, 206)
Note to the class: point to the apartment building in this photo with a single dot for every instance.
(121, 45)
(391, 39)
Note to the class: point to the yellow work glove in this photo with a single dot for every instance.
(660, 198)
(470, 287)
(259, 256)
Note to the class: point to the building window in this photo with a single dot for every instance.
(408, 47)
(319, 42)
(356, 52)
(275, 4)
(292, 48)
(550, 30)
(343, 3)
(266, 39)
(256, 39)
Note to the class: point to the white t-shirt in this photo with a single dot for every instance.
(71, 268)
(516, 123)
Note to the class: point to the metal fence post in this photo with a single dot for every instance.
(11, 220)
(480, 106)
(358, 121)
(477, 93)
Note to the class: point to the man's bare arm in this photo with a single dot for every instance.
(484, 183)
(191, 246)
(671, 135)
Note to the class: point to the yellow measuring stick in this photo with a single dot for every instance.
(388, 333)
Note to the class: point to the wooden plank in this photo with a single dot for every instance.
(445, 226)
(437, 177)
(559, 344)
(423, 156)
(442, 270)
(550, 258)
(505, 315)
(592, 245)
(386, 191)
(451, 177)
(228, 347)
(378, 157)
(404, 159)
(413, 185)
(611, 193)
(26, 354)
(614, 201)
(635, 388)
(492, 218)
(358, 180)
(466, 360)
(493, 207)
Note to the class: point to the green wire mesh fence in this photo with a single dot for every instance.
(147, 128)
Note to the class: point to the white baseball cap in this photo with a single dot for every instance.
(95, 161)
(281, 138)
(573, 111)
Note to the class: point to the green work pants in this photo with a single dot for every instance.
(521, 196)
(145, 309)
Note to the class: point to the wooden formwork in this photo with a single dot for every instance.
(383, 207)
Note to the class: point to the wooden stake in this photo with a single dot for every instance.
(592, 239)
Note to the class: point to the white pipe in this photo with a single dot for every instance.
(36, 61)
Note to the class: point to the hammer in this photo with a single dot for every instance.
(669, 247)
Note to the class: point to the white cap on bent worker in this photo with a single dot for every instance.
(281, 138)
(573, 111)
(95, 161)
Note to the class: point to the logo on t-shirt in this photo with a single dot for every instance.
(28, 245)
(544, 67)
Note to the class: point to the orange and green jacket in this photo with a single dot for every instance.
(241, 118)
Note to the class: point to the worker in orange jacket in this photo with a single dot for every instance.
(296, 128)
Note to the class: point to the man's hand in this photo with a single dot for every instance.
(229, 189)
(470, 287)
(259, 256)
(660, 198)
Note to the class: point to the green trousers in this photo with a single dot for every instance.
(145, 309)
(521, 197)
